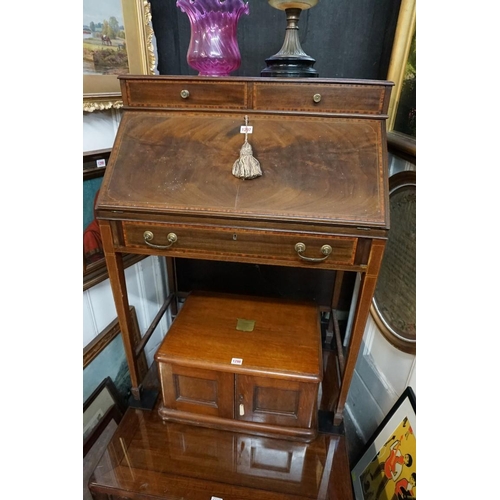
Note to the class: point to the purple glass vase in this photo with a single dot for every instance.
(213, 48)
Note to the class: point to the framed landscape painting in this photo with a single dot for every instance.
(117, 40)
(387, 469)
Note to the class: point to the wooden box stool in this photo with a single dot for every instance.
(247, 364)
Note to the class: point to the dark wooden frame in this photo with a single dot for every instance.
(407, 401)
(114, 412)
(96, 272)
(399, 339)
(403, 146)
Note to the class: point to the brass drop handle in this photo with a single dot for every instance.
(148, 236)
(317, 97)
(184, 94)
(326, 250)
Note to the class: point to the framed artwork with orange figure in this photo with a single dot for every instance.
(387, 469)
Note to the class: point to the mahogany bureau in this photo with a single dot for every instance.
(320, 203)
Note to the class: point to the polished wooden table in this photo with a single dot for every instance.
(320, 204)
(149, 458)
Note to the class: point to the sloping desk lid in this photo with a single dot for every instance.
(321, 168)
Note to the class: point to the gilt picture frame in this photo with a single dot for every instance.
(134, 44)
(387, 467)
(404, 39)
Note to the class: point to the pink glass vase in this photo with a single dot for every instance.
(213, 48)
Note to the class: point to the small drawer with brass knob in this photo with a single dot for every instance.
(187, 93)
(315, 96)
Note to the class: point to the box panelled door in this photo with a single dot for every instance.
(274, 401)
(196, 390)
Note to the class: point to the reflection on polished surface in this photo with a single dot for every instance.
(151, 458)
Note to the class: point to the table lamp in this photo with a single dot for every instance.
(291, 60)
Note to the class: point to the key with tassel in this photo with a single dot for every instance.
(246, 166)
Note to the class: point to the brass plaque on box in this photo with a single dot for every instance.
(245, 325)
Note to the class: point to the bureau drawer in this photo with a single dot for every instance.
(249, 245)
(348, 98)
(185, 94)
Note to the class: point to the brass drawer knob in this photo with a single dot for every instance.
(148, 236)
(317, 97)
(326, 250)
(184, 94)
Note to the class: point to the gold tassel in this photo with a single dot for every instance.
(246, 166)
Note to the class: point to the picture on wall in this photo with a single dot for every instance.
(102, 412)
(92, 243)
(98, 406)
(387, 468)
(94, 263)
(104, 357)
(104, 44)
(118, 39)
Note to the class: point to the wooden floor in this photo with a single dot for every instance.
(153, 459)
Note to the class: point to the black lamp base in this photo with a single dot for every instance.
(291, 60)
(289, 67)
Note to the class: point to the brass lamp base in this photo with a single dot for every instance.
(291, 61)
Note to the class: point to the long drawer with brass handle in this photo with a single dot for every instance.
(242, 244)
